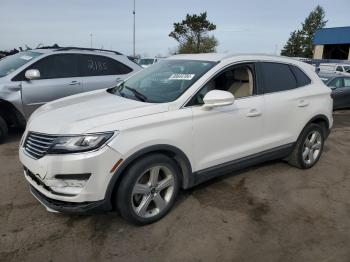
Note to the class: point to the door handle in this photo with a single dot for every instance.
(253, 112)
(73, 83)
(303, 103)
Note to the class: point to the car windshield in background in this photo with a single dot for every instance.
(146, 61)
(13, 62)
(164, 81)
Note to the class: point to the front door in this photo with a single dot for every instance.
(58, 78)
(227, 133)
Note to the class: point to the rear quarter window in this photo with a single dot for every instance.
(301, 77)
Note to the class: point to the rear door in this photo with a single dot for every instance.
(101, 72)
(59, 77)
(341, 94)
(286, 102)
(337, 85)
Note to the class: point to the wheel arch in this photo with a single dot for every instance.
(321, 120)
(10, 114)
(171, 151)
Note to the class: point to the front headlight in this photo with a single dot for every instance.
(79, 143)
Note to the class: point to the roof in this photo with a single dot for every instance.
(216, 57)
(334, 35)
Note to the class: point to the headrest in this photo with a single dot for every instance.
(241, 74)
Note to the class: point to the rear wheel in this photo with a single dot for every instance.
(149, 189)
(3, 130)
(309, 147)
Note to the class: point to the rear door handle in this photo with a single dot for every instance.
(73, 83)
(254, 112)
(303, 103)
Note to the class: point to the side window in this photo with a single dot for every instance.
(54, 66)
(347, 82)
(302, 78)
(339, 69)
(96, 65)
(338, 82)
(238, 80)
(276, 77)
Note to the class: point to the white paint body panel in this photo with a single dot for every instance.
(207, 137)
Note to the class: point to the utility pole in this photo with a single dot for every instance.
(91, 40)
(134, 13)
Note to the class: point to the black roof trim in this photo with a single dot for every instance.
(86, 49)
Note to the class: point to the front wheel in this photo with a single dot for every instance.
(308, 148)
(148, 189)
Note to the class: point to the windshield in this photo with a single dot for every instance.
(347, 69)
(164, 81)
(146, 61)
(13, 62)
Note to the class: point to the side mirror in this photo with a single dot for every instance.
(217, 98)
(32, 74)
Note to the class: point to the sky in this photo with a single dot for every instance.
(253, 26)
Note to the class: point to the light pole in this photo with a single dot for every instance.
(134, 13)
(91, 40)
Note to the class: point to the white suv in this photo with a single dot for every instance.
(176, 124)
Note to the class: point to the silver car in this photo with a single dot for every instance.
(32, 78)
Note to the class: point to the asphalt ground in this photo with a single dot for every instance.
(270, 212)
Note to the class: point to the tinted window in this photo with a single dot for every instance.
(302, 78)
(277, 77)
(54, 66)
(95, 65)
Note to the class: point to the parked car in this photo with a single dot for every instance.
(325, 77)
(340, 86)
(32, 78)
(146, 62)
(335, 68)
(184, 120)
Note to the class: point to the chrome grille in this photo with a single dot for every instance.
(37, 145)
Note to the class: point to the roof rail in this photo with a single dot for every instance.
(87, 49)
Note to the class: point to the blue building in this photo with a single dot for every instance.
(332, 43)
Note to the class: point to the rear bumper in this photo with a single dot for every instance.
(71, 207)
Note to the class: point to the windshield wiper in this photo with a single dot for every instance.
(136, 93)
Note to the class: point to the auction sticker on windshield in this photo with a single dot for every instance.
(181, 76)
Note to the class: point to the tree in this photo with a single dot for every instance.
(192, 34)
(315, 20)
(300, 41)
(294, 45)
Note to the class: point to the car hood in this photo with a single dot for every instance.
(79, 113)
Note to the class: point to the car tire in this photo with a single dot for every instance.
(308, 148)
(148, 189)
(3, 130)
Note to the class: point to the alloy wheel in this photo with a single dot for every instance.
(153, 191)
(312, 147)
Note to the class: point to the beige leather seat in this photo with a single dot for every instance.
(243, 83)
